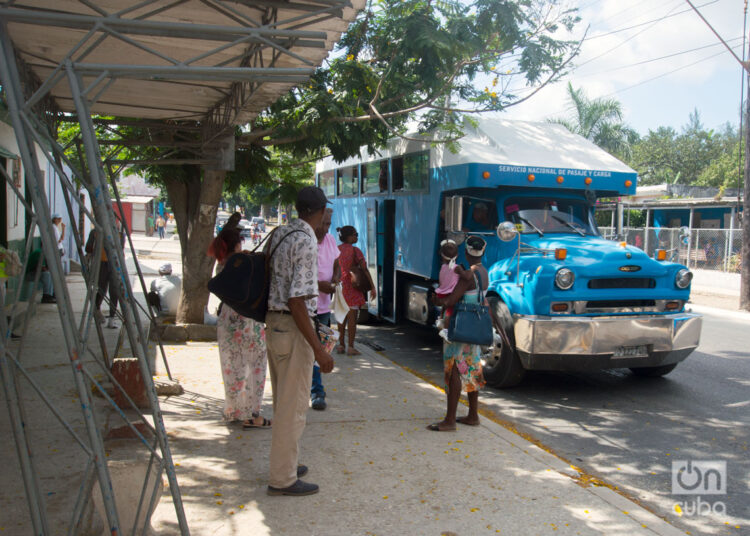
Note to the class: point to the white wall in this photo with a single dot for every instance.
(16, 212)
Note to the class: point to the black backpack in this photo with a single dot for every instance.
(244, 282)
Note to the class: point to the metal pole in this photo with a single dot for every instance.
(646, 234)
(729, 238)
(14, 97)
(690, 237)
(131, 321)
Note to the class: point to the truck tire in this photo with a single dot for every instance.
(653, 372)
(502, 368)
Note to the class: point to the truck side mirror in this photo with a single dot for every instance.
(506, 231)
(454, 213)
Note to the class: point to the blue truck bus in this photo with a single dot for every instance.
(562, 296)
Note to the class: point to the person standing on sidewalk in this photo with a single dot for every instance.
(242, 347)
(292, 343)
(107, 279)
(329, 274)
(462, 365)
(475, 246)
(355, 298)
(160, 225)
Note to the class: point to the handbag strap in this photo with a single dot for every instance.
(478, 283)
(270, 254)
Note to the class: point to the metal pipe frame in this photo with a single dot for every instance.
(27, 131)
(14, 97)
(115, 255)
(180, 30)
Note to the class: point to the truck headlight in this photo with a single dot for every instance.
(564, 278)
(683, 278)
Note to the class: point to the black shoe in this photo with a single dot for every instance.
(297, 489)
(301, 470)
(319, 403)
(48, 298)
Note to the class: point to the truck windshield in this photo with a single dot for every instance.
(542, 215)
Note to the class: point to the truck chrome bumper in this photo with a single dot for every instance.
(585, 343)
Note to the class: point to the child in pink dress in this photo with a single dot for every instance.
(449, 274)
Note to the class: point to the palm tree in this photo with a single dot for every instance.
(599, 120)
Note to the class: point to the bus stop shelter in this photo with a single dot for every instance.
(174, 69)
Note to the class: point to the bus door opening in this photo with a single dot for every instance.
(386, 252)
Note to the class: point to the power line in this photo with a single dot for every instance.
(668, 73)
(617, 14)
(659, 58)
(619, 30)
(652, 23)
(716, 34)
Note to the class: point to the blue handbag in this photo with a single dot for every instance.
(471, 322)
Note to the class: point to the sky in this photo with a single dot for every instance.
(623, 57)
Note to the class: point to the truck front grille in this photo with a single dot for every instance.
(622, 282)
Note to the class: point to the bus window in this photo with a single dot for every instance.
(397, 174)
(348, 180)
(375, 177)
(327, 183)
(416, 171)
(479, 215)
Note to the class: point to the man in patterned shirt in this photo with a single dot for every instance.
(291, 340)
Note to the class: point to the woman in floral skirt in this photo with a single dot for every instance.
(462, 366)
(242, 348)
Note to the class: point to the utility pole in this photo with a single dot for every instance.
(745, 257)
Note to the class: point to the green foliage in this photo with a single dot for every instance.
(695, 156)
(428, 62)
(599, 120)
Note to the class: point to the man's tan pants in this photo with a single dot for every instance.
(290, 360)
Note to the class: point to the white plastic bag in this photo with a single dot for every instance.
(339, 307)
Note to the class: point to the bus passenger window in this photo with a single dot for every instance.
(326, 182)
(397, 174)
(375, 177)
(416, 171)
(348, 180)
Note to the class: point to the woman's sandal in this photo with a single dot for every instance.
(340, 349)
(440, 427)
(352, 351)
(250, 423)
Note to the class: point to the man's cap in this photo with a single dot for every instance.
(311, 199)
(56, 215)
(165, 268)
(475, 246)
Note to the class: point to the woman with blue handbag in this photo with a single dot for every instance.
(461, 360)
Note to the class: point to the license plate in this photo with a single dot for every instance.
(630, 351)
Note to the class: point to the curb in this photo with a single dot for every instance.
(742, 316)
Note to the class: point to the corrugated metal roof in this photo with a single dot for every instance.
(176, 60)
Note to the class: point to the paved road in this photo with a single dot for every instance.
(629, 430)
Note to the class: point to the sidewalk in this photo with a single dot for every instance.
(380, 471)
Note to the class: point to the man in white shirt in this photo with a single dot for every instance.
(291, 340)
(166, 289)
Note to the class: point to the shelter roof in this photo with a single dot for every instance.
(220, 60)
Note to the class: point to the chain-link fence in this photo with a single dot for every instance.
(709, 249)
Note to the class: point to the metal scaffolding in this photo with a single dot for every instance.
(195, 68)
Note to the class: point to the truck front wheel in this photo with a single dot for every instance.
(502, 366)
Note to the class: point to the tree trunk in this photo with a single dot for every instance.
(195, 203)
